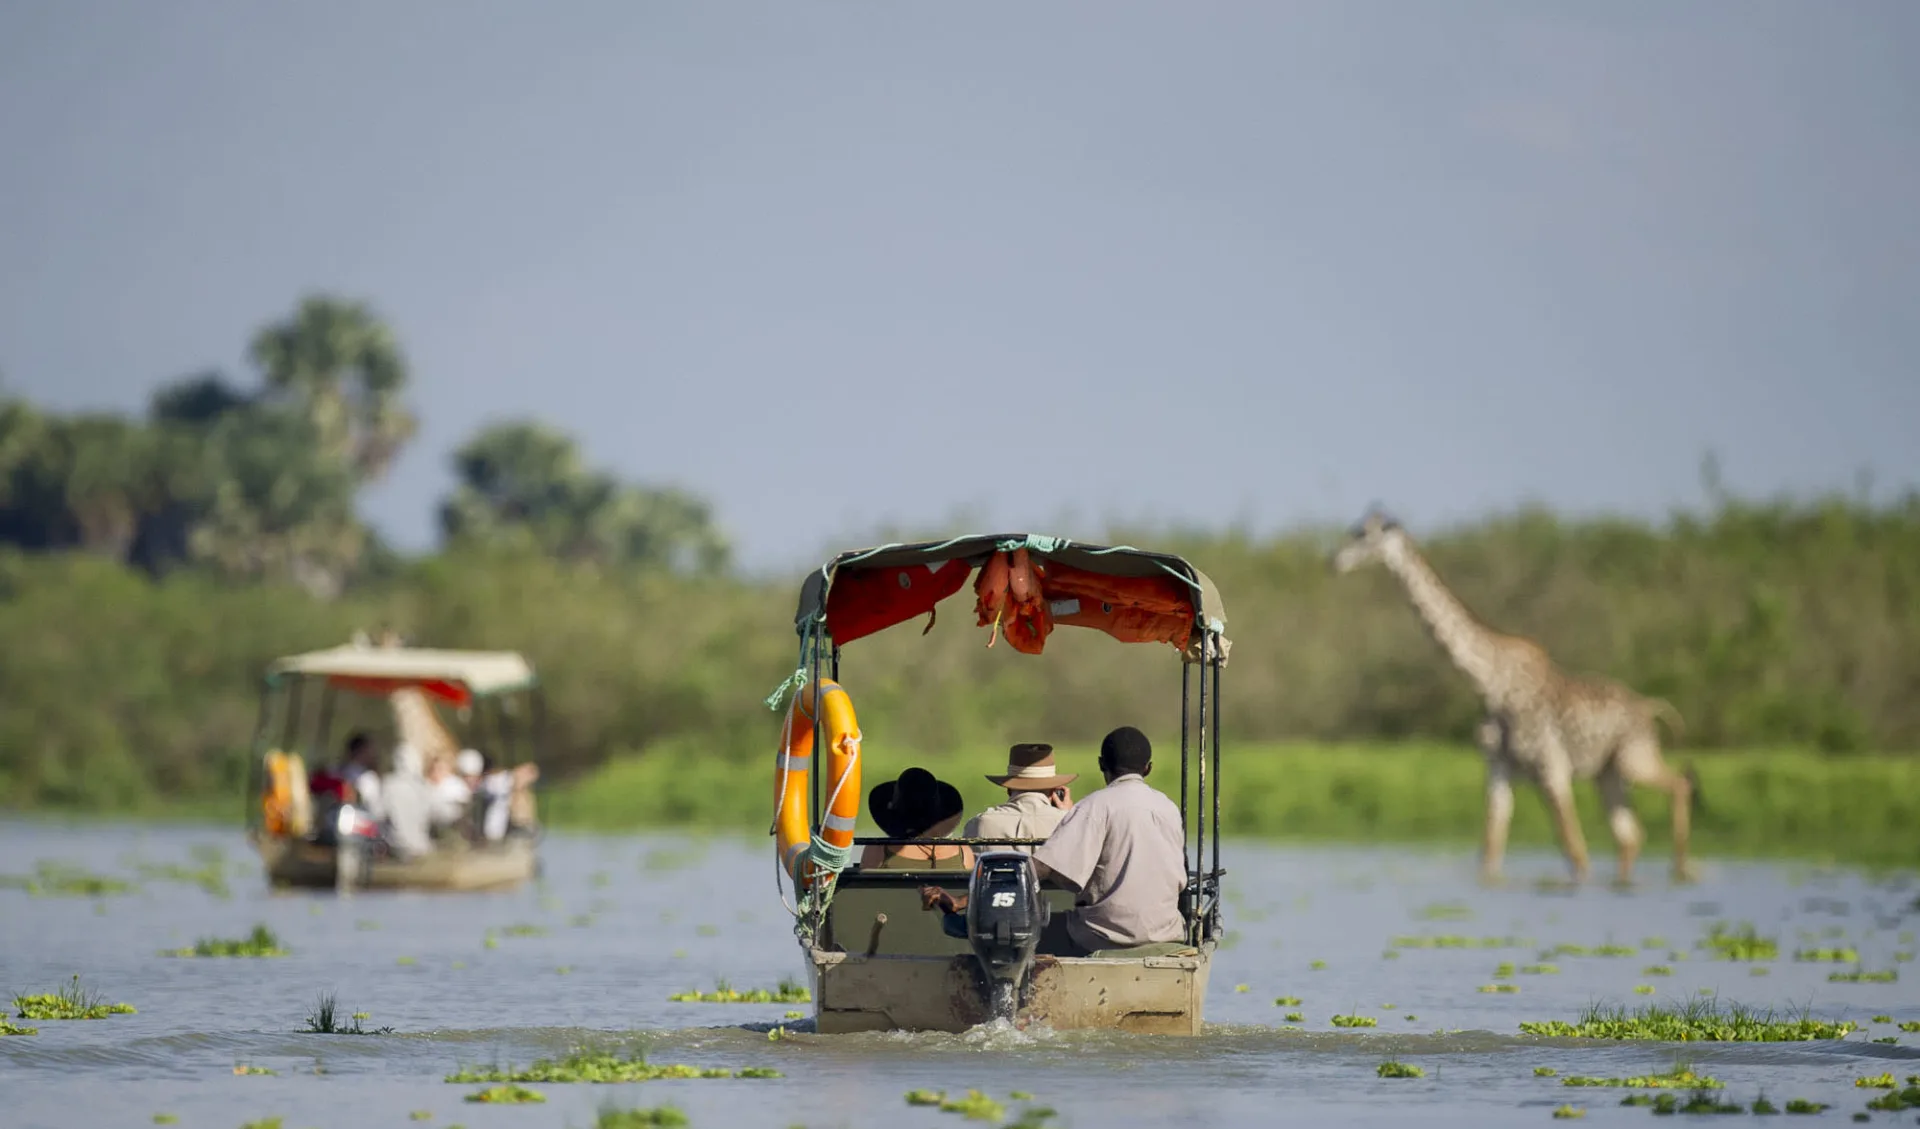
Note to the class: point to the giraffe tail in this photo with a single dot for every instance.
(1696, 800)
(1661, 708)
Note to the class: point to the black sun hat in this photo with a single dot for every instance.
(905, 808)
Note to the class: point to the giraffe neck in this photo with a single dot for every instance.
(1467, 642)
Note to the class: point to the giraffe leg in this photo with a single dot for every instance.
(1558, 786)
(1493, 845)
(1627, 836)
(1640, 762)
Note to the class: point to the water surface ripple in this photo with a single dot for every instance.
(588, 956)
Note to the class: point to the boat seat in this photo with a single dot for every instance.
(909, 930)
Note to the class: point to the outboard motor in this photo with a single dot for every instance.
(1005, 915)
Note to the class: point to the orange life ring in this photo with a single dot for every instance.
(792, 772)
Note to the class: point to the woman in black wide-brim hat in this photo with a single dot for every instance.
(916, 806)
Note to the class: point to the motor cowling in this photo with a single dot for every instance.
(1005, 917)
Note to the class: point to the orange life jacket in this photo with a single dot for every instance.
(867, 600)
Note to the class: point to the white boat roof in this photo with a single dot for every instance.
(481, 672)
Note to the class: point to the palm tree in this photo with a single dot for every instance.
(339, 365)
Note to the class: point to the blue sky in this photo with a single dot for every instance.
(836, 265)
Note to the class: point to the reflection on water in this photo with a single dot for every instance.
(589, 955)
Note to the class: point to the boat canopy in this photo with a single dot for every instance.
(454, 676)
(1158, 596)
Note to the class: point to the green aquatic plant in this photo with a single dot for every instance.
(1801, 1105)
(1318, 965)
(1656, 970)
(166, 1119)
(975, 1106)
(1294, 1017)
(322, 1020)
(1643, 989)
(1910, 1026)
(524, 930)
(1354, 1021)
(1568, 1112)
(240, 1068)
(1693, 1021)
(1503, 970)
(1680, 1077)
(506, 1095)
(1392, 1069)
(61, 880)
(1828, 956)
(1539, 969)
(420, 1115)
(1877, 1082)
(1508, 989)
(71, 1002)
(1883, 1019)
(1455, 941)
(1699, 1101)
(262, 942)
(604, 1066)
(1743, 943)
(926, 1097)
(1444, 911)
(8, 1028)
(1544, 1072)
(1895, 1101)
(273, 1122)
(1762, 1106)
(1241, 988)
(1286, 1001)
(659, 1117)
(790, 991)
(1862, 976)
(1607, 950)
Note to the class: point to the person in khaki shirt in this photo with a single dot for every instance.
(1037, 799)
(1121, 850)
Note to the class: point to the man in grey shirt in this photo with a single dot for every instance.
(1123, 853)
(1037, 799)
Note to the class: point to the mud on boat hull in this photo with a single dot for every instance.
(1159, 995)
(491, 867)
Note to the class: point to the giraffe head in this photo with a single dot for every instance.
(1370, 540)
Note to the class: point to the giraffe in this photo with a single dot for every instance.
(1541, 723)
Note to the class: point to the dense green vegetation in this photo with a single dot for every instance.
(1780, 803)
(150, 566)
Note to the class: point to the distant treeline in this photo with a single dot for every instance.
(150, 566)
(1777, 625)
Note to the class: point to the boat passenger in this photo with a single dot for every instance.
(340, 783)
(1037, 799)
(448, 795)
(495, 793)
(408, 801)
(916, 806)
(1121, 850)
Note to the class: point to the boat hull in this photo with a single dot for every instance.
(1157, 995)
(493, 866)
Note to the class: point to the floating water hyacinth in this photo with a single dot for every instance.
(70, 1002)
(260, 943)
(1392, 1069)
(602, 1066)
(1354, 1021)
(789, 992)
(507, 1095)
(1695, 1021)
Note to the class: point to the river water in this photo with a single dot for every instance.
(589, 955)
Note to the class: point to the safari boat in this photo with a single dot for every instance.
(876, 959)
(305, 845)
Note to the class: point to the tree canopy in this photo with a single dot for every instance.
(260, 482)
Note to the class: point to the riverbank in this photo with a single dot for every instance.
(1757, 803)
